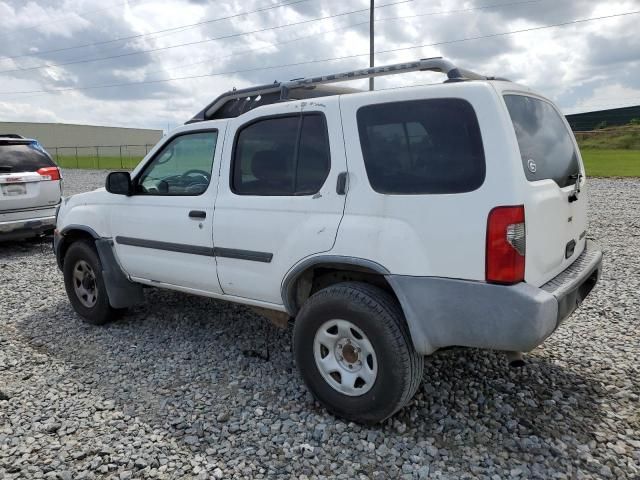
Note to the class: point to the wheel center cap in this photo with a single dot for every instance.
(348, 354)
(87, 282)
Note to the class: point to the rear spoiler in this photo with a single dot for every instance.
(16, 141)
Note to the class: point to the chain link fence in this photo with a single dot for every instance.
(106, 157)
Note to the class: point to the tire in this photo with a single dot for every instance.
(88, 297)
(383, 361)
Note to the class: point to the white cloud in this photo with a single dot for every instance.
(578, 66)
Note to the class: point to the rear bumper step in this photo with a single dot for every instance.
(444, 312)
(27, 227)
(573, 284)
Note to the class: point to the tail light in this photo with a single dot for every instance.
(506, 245)
(49, 173)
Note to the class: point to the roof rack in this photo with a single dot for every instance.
(236, 102)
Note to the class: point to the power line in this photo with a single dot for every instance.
(59, 19)
(140, 35)
(345, 57)
(197, 42)
(352, 25)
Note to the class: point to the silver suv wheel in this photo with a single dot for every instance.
(84, 283)
(345, 357)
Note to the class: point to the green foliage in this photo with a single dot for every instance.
(611, 163)
(614, 138)
(601, 125)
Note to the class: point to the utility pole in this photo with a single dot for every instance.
(371, 42)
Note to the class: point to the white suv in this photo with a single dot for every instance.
(30, 188)
(388, 224)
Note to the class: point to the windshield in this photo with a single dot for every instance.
(546, 145)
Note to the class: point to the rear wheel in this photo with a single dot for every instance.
(84, 284)
(354, 352)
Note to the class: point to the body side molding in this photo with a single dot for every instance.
(250, 255)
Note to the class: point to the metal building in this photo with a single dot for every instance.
(57, 135)
(88, 146)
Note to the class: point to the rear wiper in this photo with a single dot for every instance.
(576, 190)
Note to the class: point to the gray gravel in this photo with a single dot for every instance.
(166, 392)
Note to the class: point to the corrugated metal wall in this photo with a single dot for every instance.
(53, 135)
(581, 122)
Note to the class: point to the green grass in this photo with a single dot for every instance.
(106, 163)
(625, 137)
(611, 163)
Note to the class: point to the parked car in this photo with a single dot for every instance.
(30, 188)
(387, 224)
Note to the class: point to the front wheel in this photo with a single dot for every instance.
(354, 352)
(84, 284)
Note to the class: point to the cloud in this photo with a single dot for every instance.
(575, 65)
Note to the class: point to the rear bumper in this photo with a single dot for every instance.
(28, 227)
(445, 312)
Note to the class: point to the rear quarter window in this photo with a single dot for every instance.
(23, 158)
(546, 145)
(422, 146)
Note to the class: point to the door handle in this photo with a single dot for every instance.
(197, 214)
(341, 184)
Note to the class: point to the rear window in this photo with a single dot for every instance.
(546, 145)
(422, 146)
(23, 158)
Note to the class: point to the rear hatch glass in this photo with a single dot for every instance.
(556, 222)
(546, 146)
(22, 157)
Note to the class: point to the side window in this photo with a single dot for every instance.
(182, 167)
(282, 156)
(422, 147)
(313, 157)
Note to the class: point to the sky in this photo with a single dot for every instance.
(124, 62)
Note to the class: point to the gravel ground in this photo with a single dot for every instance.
(166, 392)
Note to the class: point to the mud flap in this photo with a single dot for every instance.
(122, 292)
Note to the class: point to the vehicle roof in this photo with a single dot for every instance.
(236, 102)
(498, 86)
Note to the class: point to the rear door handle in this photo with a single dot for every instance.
(341, 184)
(197, 214)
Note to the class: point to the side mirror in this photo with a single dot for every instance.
(119, 183)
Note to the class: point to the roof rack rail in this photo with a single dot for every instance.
(236, 102)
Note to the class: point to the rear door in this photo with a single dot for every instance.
(277, 202)
(28, 176)
(555, 190)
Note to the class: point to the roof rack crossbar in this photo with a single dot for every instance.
(436, 64)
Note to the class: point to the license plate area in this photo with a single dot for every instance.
(14, 189)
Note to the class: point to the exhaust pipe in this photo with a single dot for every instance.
(515, 359)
